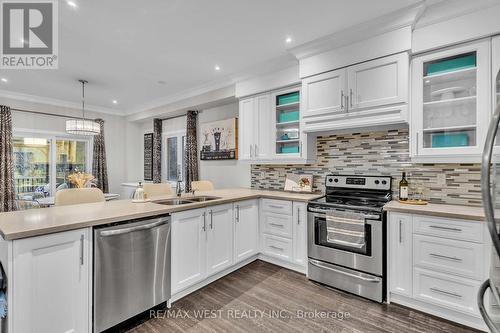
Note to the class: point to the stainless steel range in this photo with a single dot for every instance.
(346, 235)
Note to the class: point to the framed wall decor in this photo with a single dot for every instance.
(148, 156)
(219, 140)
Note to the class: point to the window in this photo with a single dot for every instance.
(175, 146)
(42, 164)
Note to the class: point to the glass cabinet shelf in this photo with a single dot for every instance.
(287, 113)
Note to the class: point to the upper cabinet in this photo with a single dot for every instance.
(368, 94)
(451, 103)
(270, 130)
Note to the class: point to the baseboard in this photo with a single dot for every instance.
(450, 315)
(210, 279)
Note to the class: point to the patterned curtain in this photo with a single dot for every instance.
(7, 192)
(99, 166)
(157, 129)
(191, 150)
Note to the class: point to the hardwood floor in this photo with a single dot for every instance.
(262, 297)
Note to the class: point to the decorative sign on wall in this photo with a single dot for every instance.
(219, 140)
(148, 156)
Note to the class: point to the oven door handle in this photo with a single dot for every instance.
(366, 216)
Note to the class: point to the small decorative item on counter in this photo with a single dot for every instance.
(298, 183)
(80, 179)
(284, 136)
(403, 188)
(139, 194)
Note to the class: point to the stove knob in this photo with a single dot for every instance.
(330, 180)
(384, 182)
(377, 182)
(336, 180)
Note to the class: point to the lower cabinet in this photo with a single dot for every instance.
(52, 269)
(219, 238)
(246, 229)
(436, 265)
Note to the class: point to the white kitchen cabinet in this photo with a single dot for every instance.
(324, 93)
(400, 254)
(188, 248)
(246, 229)
(52, 269)
(300, 233)
(378, 82)
(372, 93)
(219, 238)
(451, 103)
(246, 125)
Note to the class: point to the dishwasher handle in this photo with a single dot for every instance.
(107, 233)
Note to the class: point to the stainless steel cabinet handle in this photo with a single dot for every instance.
(204, 227)
(400, 232)
(440, 256)
(444, 292)
(276, 206)
(342, 100)
(276, 247)
(350, 97)
(82, 237)
(298, 215)
(255, 150)
(237, 213)
(277, 224)
(445, 228)
(318, 264)
(107, 233)
(211, 219)
(251, 154)
(323, 211)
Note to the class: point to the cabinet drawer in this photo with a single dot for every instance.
(449, 228)
(277, 224)
(451, 292)
(278, 247)
(451, 256)
(277, 206)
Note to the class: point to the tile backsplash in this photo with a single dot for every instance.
(379, 153)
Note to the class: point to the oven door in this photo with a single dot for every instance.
(368, 259)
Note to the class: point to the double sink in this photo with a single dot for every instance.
(184, 201)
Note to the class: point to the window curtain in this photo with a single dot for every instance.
(191, 156)
(157, 129)
(7, 192)
(99, 165)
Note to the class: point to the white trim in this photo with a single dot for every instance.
(58, 102)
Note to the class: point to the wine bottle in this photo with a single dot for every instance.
(403, 188)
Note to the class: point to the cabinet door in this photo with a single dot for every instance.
(219, 238)
(299, 233)
(188, 248)
(400, 254)
(451, 102)
(263, 127)
(246, 128)
(51, 285)
(378, 82)
(324, 94)
(246, 229)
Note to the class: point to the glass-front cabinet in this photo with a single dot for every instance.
(451, 103)
(286, 111)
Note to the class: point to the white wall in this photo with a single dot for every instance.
(114, 132)
(224, 173)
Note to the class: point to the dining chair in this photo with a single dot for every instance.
(73, 196)
(202, 185)
(26, 204)
(154, 190)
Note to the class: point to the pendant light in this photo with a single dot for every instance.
(83, 126)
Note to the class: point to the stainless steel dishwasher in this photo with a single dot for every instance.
(131, 269)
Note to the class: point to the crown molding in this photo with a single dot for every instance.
(57, 102)
(380, 25)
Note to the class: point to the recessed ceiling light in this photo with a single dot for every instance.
(115, 101)
(71, 3)
(4, 80)
(288, 40)
(162, 82)
(217, 67)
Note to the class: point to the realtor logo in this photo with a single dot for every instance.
(29, 34)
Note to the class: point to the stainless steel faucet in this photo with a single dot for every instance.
(178, 186)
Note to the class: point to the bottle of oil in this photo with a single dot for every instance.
(403, 188)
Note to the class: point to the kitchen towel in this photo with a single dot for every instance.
(345, 228)
(3, 305)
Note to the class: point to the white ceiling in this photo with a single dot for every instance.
(123, 48)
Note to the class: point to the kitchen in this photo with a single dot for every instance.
(278, 176)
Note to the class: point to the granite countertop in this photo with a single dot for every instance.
(35, 222)
(441, 210)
